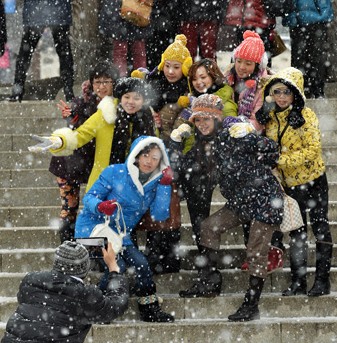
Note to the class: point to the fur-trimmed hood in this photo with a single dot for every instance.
(137, 146)
(293, 79)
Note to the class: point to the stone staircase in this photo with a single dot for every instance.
(29, 207)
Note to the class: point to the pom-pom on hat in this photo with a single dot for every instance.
(207, 105)
(131, 84)
(177, 51)
(251, 49)
(72, 258)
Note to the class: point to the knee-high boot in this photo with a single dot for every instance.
(298, 264)
(249, 310)
(209, 281)
(323, 264)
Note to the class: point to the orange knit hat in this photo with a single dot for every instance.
(252, 47)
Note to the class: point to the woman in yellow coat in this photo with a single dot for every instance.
(114, 126)
(296, 129)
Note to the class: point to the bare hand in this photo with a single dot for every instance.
(109, 257)
(156, 119)
(65, 109)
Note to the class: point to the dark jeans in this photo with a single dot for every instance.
(132, 257)
(30, 38)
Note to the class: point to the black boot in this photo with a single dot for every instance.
(323, 264)
(153, 313)
(66, 230)
(249, 310)
(207, 286)
(17, 93)
(209, 280)
(298, 265)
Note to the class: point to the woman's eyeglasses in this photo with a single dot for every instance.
(104, 83)
(279, 92)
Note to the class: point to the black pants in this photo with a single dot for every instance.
(309, 54)
(313, 196)
(30, 38)
(199, 207)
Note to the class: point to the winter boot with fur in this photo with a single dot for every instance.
(150, 310)
(249, 310)
(209, 281)
(323, 264)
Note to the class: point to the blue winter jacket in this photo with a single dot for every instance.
(306, 12)
(120, 182)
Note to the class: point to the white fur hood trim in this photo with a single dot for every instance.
(109, 109)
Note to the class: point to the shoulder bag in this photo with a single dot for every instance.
(172, 223)
(104, 230)
(137, 12)
(292, 218)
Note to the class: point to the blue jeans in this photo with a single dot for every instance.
(132, 257)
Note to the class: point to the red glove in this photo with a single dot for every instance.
(107, 207)
(167, 176)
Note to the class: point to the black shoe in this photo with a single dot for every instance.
(154, 314)
(320, 287)
(207, 288)
(15, 98)
(296, 288)
(245, 313)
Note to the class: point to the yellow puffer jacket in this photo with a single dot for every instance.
(301, 153)
(300, 148)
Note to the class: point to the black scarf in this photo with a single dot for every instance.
(142, 125)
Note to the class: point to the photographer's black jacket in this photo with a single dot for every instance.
(54, 307)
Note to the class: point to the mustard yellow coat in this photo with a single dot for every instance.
(100, 126)
(301, 158)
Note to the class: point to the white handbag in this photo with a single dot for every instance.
(292, 218)
(104, 230)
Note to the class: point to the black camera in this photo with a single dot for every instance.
(94, 245)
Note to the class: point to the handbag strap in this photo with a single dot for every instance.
(119, 216)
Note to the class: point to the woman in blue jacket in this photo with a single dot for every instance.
(307, 22)
(141, 183)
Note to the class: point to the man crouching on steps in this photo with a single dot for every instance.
(253, 194)
(56, 306)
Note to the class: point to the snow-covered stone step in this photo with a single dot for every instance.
(29, 109)
(297, 319)
(28, 125)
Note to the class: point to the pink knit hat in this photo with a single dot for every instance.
(252, 47)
